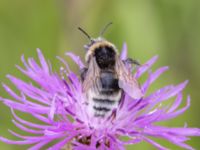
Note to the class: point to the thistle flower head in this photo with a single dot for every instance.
(60, 105)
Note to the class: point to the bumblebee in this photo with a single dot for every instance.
(106, 77)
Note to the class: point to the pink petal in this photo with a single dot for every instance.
(76, 59)
(145, 67)
(43, 61)
(160, 147)
(60, 144)
(124, 52)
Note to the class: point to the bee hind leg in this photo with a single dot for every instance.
(83, 72)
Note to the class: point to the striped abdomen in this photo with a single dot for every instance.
(107, 97)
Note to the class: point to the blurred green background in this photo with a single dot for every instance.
(168, 28)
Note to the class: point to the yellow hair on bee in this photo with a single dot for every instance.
(97, 44)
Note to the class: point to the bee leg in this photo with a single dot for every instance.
(83, 72)
(131, 61)
(112, 116)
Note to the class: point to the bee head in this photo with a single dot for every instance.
(103, 51)
(99, 48)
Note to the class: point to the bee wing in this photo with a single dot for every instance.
(126, 81)
(91, 75)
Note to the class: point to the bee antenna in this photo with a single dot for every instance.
(105, 28)
(85, 33)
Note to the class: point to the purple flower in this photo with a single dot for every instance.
(58, 103)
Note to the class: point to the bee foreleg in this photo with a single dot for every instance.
(131, 61)
(83, 72)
